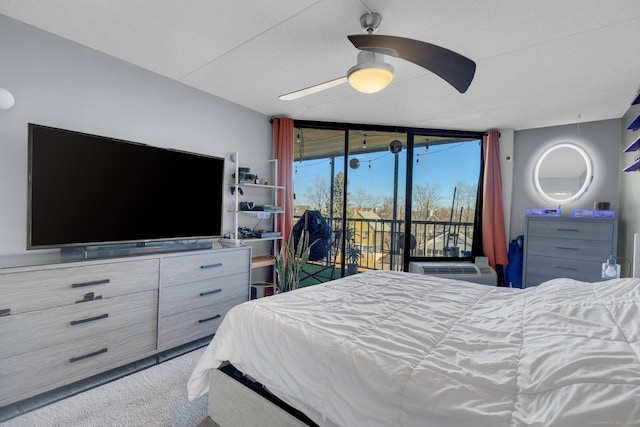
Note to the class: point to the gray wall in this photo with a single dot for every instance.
(601, 141)
(63, 84)
(629, 218)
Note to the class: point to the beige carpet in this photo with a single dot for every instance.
(156, 396)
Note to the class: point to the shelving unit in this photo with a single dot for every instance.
(260, 260)
(635, 145)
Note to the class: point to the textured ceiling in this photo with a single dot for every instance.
(539, 63)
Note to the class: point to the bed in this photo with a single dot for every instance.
(388, 348)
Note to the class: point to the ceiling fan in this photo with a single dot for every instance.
(371, 74)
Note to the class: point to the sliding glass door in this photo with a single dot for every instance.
(376, 183)
(389, 195)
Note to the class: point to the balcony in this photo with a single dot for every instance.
(381, 241)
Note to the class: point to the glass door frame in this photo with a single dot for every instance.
(411, 133)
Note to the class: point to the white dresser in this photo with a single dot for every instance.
(567, 247)
(61, 322)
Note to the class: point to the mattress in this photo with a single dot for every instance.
(388, 348)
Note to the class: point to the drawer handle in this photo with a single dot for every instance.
(89, 319)
(95, 282)
(5, 312)
(215, 291)
(558, 267)
(86, 356)
(566, 249)
(573, 230)
(216, 265)
(89, 297)
(217, 316)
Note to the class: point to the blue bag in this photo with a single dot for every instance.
(513, 271)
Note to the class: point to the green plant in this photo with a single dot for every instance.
(290, 260)
(353, 254)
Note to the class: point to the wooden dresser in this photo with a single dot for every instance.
(567, 247)
(61, 322)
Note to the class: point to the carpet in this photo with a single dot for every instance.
(156, 396)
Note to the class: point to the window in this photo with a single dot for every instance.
(443, 196)
(359, 176)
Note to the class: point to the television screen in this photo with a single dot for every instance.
(90, 190)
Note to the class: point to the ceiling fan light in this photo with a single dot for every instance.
(370, 75)
(370, 80)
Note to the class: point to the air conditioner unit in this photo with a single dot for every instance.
(480, 272)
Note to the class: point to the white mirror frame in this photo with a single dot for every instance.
(583, 188)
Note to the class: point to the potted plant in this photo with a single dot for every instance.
(290, 260)
(352, 257)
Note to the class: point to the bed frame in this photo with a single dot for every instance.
(236, 401)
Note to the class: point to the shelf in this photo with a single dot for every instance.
(265, 239)
(256, 212)
(635, 145)
(250, 185)
(262, 261)
(635, 124)
(633, 166)
(240, 216)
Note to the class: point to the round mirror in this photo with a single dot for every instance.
(563, 173)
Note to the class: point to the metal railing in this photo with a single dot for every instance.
(381, 241)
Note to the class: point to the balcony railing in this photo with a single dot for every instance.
(381, 241)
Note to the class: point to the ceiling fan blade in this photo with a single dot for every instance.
(455, 69)
(312, 89)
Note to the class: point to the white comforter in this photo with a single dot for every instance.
(400, 349)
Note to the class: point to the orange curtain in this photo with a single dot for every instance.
(283, 150)
(494, 243)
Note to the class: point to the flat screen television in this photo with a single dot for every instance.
(87, 190)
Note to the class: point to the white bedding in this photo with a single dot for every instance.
(400, 349)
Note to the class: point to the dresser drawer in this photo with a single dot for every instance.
(175, 299)
(569, 248)
(542, 268)
(194, 324)
(66, 324)
(52, 287)
(23, 375)
(579, 229)
(192, 268)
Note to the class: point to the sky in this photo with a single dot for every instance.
(443, 165)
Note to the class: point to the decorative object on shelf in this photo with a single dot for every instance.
(246, 233)
(6, 99)
(290, 260)
(244, 175)
(593, 213)
(542, 212)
